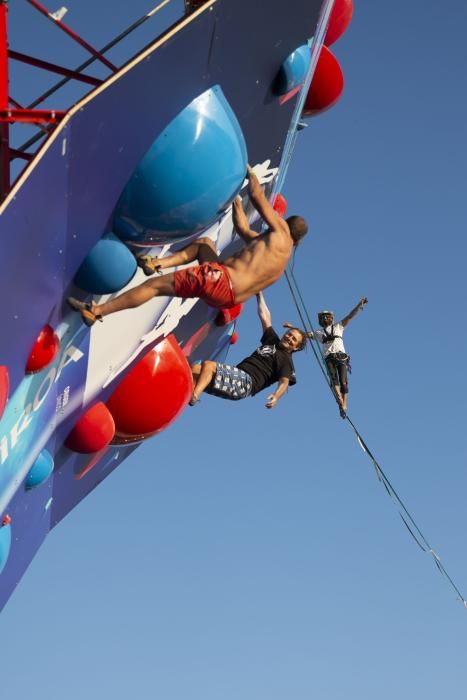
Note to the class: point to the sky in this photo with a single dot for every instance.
(252, 553)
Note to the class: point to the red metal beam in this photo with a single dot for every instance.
(19, 106)
(4, 102)
(73, 35)
(31, 116)
(53, 68)
(19, 154)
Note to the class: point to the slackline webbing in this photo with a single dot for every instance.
(405, 515)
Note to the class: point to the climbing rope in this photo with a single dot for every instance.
(405, 515)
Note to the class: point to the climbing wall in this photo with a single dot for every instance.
(147, 161)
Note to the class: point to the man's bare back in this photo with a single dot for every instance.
(258, 265)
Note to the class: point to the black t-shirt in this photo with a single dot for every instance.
(268, 363)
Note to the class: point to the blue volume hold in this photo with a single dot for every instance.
(293, 70)
(189, 176)
(107, 268)
(5, 544)
(40, 470)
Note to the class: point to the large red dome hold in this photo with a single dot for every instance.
(341, 16)
(327, 84)
(153, 394)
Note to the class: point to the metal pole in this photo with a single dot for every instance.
(104, 49)
(34, 139)
(4, 102)
(73, 34)
(54, 68)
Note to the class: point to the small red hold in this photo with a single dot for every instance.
(4, 382)
(280, 205)
(327, 84)
(339, 21)
(43, 351)
(6, 520)
(233, 338)
(226, 316)
(93, 431)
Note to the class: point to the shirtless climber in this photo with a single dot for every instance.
(335, 357)
(271, 362)
(260, 263)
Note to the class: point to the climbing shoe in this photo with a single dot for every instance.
(86, 310)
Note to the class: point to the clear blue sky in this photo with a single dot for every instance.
(252, 554)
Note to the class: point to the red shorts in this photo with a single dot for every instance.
(209, 282)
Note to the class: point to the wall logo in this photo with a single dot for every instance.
(10, 439)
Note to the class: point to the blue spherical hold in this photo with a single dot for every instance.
(189, 176)
(107, 268)
(5, 544)
(293, 70)
(40, 470)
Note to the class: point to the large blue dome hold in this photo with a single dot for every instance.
(189, 176)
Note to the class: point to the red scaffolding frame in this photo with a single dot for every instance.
(11, 112)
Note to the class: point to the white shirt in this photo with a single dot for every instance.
(333, 346)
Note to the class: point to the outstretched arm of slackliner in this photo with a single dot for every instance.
(354, 311)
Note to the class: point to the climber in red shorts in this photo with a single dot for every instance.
(256, 266)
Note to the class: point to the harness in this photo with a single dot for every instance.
(329, 338)
(336, 357)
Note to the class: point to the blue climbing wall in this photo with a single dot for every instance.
(65, 203)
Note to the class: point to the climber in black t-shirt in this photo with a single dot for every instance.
(271, 362)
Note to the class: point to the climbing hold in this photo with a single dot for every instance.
(233, 338)
(5, 541)
(40, 470)
(225, 316)
(339, 21)
(280, 205)
(189, 176)
(93, 431)
(4, 382)
(107, 268)
(43, 351)
(153, 394)
(327, 84)
(293, 71)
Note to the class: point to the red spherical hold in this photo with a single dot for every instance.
(153, 394)
(327, 84)
(6, 520)
(3, 388)
(43, 351)
(93, 431)
(233, 338)
(225, 316)
(280, 205)
(341, 16)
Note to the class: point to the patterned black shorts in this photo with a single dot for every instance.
(230, 383)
